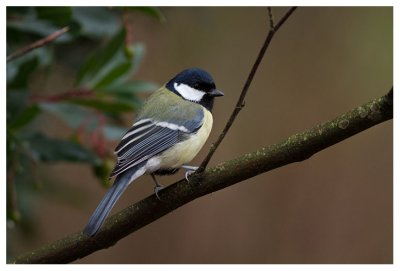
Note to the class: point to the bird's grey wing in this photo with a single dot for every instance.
(148, 138)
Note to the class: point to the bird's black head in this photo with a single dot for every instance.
(195, 85)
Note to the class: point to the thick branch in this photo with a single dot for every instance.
(37, 44)
(294, 149)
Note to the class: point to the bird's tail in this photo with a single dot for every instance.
(110, 198)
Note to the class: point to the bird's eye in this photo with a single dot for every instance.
(196, 86)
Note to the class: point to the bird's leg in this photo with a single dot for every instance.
(158, 186)
(189, 170)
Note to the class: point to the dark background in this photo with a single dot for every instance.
(335, 207)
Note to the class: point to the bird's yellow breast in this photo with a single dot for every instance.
(184, 152)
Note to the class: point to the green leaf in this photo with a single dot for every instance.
(55, 150)
(27, 64)
(114, 74)
(139, 51)
(96, 22)
(105, 106)
(123, 66)
(73, 115)
(100, 59)
(60, 16)
(15, 103)
(112, 132)
(24, 117)
(20, 80)
(13, 11)
(129, 87)
(151, 11)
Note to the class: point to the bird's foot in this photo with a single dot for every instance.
(157, 189)
(189, 170)
(158, 186)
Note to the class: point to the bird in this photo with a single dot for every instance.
(168, 132)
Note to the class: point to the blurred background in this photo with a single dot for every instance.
(69, 103)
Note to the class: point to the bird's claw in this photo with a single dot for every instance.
(187, 173)
(157, 189)
(189, 170)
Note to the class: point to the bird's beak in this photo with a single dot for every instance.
(215, 93)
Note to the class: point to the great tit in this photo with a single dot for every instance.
(170, 129)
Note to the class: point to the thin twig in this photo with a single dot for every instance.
(37, 44)
(284, 18)
(240, 103)
(271, 18)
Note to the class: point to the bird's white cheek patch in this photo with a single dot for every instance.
(188, 92)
